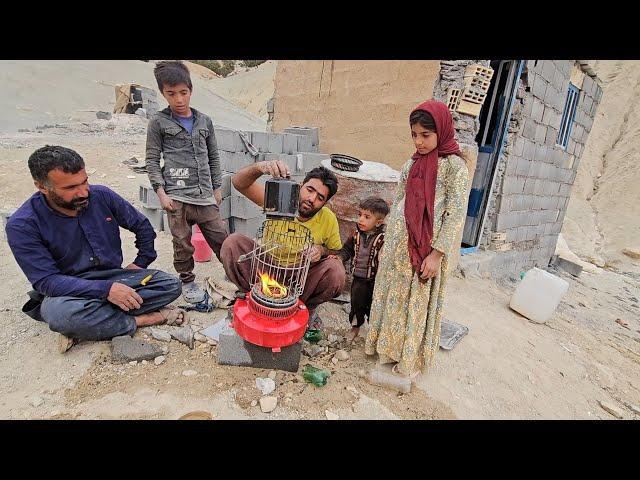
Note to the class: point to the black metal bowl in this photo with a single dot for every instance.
(345, 162)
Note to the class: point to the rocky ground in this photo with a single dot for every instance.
(585, 357)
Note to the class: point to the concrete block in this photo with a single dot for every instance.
(248, 226)
(260, 140)
(313, 160)
(225, 207)
(234, 161)
(225, 188)
(551, 137)
(275, 143)
(523, 166)
(228, 140)
(537, 112)
(548, 70)
(155, 217)
(529, 129)
(565, 190)
(529, 185)
(529, 149)
(542, 152)
(148, 197)
(289, 143)
(505, 221)
(290, 161)
(541, 134)
(304, 144)
(242, 207)
(566, 265)
(312, 132)
(511, 164)
(527, 105)
(513, 185)
(539, 87)
(234, 350)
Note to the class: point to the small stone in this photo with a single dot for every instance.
(254, 403)
(268, 404)
(189, 373)
(324, 343)
(133, 362)
(334, 338)
(353, 391)
(331, 415)
(159, 360)
(347, 308)
(125, 349)
(611, 408)
(184, 335)
(198, 337)
(160, 335)
(103, 115)
(164, 350)
(334, 360)
(36, 401)
(265, 385)
(342, 355)
(272, 375)
(634, 408)
(144, 362)
(632, 252)
(212, 342)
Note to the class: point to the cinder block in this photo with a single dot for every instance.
(225, 188)
(304, 143)
(242, 207)
(566, 265)
(498, 236)
(523, 166)
(537, 112)
(291, 161)
(529, 129)
(260, 140)
(155, 217)
(234, 161)
(539, 87)
(148, 197)
(234, 350)
(513, 185)
(289, 143)
(276, 143)
(248, 226)
(548, 70)
(313, 160)
(312, 132)
(225, 208)
(541, 134)
(228, 140)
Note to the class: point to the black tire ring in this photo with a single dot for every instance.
(345, 162)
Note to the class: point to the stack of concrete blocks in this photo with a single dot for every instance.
(532, 195)
(298, 150)
(148, 100)
(152, 209)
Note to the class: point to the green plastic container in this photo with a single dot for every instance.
(315, 375)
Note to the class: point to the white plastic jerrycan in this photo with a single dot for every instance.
(538, 295)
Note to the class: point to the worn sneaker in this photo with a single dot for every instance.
(65, 343)
(192, 293)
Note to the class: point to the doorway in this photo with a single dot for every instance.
(494, 122)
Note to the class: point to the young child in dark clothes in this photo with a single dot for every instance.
(363, 248)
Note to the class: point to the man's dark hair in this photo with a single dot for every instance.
(326, 176)
(375, 205)
(170, 73)
(51, 157)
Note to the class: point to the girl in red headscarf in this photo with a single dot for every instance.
(422, 228)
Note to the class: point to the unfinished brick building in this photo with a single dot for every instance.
(523, 124)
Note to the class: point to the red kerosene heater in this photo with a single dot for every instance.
(271, 314)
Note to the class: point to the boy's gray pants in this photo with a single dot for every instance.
(95, 319)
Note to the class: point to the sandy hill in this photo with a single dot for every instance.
(603, 216)
(37, 92)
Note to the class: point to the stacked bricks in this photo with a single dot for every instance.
(152, 209)
(535, 177)
(296, 146)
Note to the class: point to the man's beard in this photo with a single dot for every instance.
(309, 213)
(75, 204)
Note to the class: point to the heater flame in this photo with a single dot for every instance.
(271, 288)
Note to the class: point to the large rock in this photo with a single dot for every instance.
(268, 404)
(125, 349)
(184, 335)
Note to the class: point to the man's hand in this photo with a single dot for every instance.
(133, 266)
(275, 168)
(316, 253)
(431, 265)
(165, 202)
(124, 297)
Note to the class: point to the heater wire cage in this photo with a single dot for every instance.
(280, 259)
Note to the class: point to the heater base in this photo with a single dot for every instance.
(234, 350)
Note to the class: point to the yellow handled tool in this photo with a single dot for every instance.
(146, 279)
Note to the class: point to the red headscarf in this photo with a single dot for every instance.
(421, 183)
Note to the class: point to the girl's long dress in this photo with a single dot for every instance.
(405, 313)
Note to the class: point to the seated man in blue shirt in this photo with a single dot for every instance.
(66, 240)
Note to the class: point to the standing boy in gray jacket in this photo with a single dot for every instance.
(188, 184)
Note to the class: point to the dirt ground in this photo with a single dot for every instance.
(505, 368)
